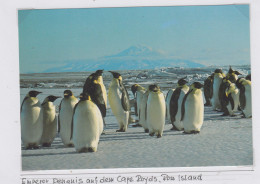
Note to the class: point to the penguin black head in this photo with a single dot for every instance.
(67, 93)
(197, 85)
(237, 73)
(84, 97)
(115, 74)
(248, 77)
(182, 81)
(134, 88)
(218, 71)
(154, 88)
(230, 70)
(52, 98)
(33, 93)
(99, 72)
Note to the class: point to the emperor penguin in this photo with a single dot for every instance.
(133, 89)
(31, 120)
(222, 95)
(95, 87)
(175, 104)
(232, 94)
(192, 109)
(138, 92)
(143, 113)
(87, 125)
(49, 121)
(218, 76)
(119, 101)
(208, 90)
(167, 102)
(155, 111)
(232, 75)
(248, 77)
(65, 116)
(245, 96)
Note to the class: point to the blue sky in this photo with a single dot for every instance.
(204, 34)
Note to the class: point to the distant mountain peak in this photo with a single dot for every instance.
(138, 50)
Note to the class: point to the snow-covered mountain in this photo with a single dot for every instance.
(133, 58)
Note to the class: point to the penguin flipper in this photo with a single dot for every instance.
(183, 104)
(71, 129)
(59, 117)
(124, 98)
(174, 103)
(230, 99)
(97, 97)
(242, 97)
(23, 103)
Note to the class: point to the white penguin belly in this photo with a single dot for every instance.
(194, 113)
(65, 116)
(86, 126)
(49, 125)
(114, 98)
(156, 112)
(215, 99)
(248, 108)
(31, 122)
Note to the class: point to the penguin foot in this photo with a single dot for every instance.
(233, 115)
(70, 145)
(120, 130)
(36, 147)
(83, 150)
(146, 130)
(46, 144)
(192, 132)
(224, 114)
(173, 127)
(137, 125)
(151, 134)
(195, 132)
(159, 136)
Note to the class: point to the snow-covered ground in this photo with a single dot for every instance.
(223, 141)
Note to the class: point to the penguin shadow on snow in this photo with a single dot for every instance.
(48, 154)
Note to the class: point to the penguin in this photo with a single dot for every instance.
(143, 113)
(244, 87)
(248, 77)
(175, 104)
(167, 101)
(208, 90)
(218, 76)
(192, 109)
(155, 111)
(31, 120)
(133, 89)
(222, 95)
(65, 116)
(118, 99)
(95, 87)
(232, 95)
(232, 75)
(138, 92)
(87, 125)
(49, 121)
